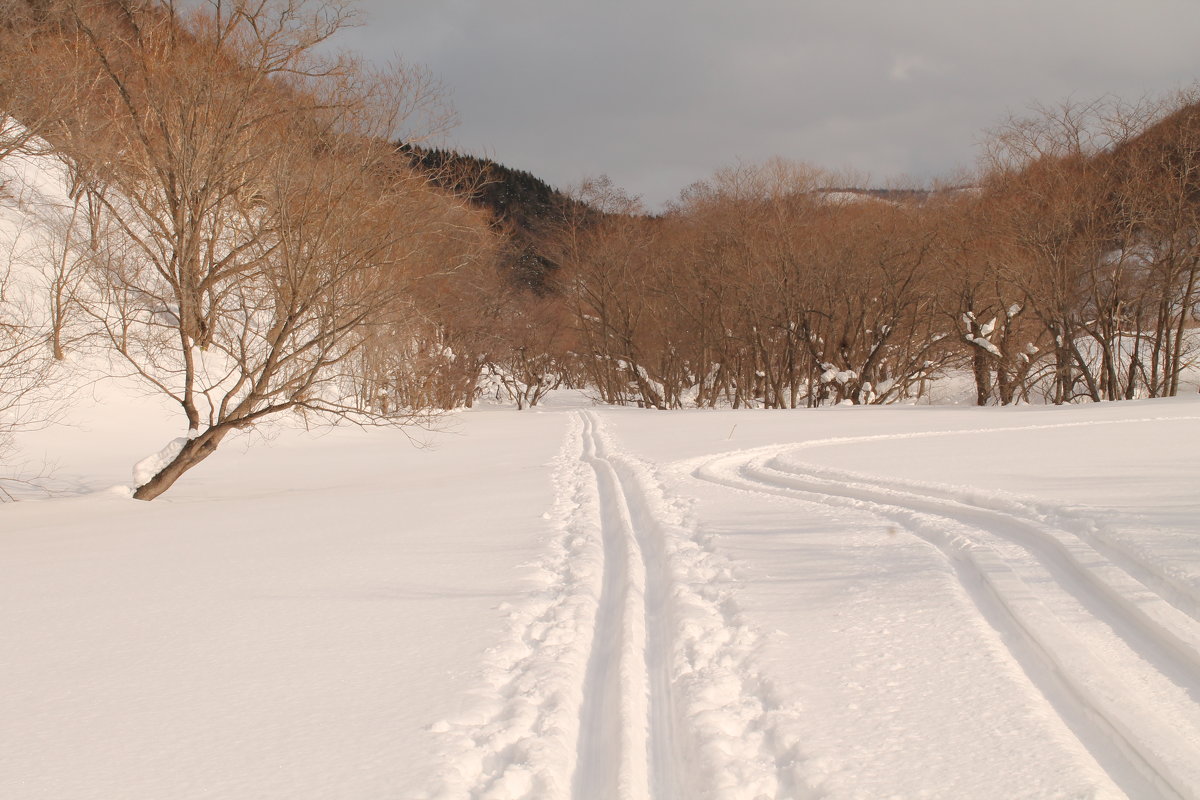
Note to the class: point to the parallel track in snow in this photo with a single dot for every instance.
(675, 706)
(1117, 653)
(630, 675)
(628, 747)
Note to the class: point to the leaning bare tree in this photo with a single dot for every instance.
(256, 222)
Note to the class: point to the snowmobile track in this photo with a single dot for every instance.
(1117, 658)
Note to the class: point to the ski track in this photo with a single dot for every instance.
(628, 673)
(1112, 641)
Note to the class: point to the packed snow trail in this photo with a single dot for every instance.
(635, 624)
(620, 742)
(687, 714)
(1115, 656)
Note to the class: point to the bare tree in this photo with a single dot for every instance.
(531, 353)
(432, 355)
(1156, 201)
(34, 90)
(26, 369)
(989, 312)
(1097, 204)
(258, 223)
(1049, 204)
(605, 256)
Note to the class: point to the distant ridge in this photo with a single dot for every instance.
(891, 195)
(524, 207)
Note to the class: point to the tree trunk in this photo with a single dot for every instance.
(195, 451)
(983, 376)
(1177, 348)
(1005, 384)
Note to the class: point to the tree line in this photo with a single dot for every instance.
(244, 235)
(1063, 269)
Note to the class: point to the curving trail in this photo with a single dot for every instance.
(1112, 643)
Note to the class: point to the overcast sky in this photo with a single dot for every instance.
(658, 94)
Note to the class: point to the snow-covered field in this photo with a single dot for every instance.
(603, 604)
(580, 602)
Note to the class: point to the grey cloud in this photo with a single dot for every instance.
(660, 93)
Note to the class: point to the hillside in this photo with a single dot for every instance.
(525, 209)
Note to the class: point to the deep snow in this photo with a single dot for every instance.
(586, 602)
(581, 602)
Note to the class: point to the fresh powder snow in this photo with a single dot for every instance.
(576, 602)
(584, 602)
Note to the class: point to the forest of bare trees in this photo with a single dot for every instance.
(251, 231)
(1065, 269)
